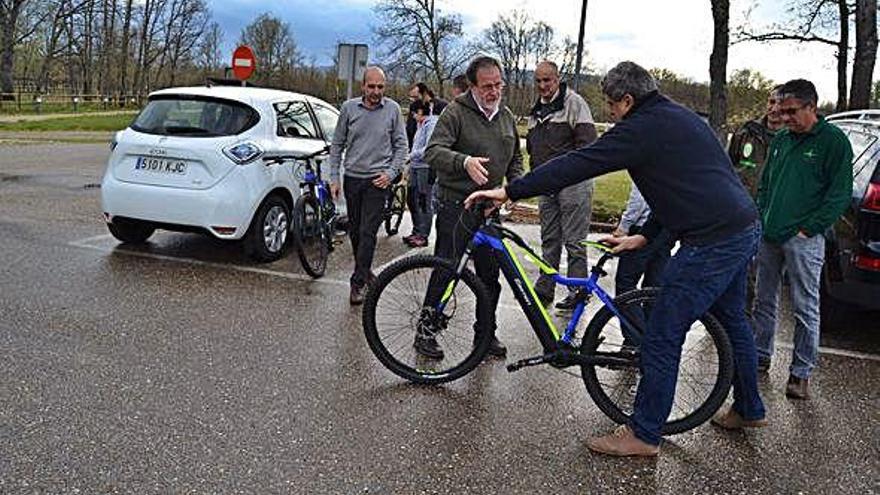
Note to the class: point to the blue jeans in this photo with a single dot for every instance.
(698, 279)
(802, 259)
(420, 202)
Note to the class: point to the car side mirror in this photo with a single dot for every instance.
(292, 131)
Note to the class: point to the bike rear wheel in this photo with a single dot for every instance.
(395, 209)
(310, 235)
(705, 371)
(396, 314)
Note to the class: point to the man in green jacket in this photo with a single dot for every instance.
(475, 145)
(806, 185)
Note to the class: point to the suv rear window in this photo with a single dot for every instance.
(193, 116)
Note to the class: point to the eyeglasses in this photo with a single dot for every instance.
(791, 111)
(485, 88)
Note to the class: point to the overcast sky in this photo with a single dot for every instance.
(672, 34)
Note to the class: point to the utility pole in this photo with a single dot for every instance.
(580, 48)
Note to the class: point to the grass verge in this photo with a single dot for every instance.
(80, 123)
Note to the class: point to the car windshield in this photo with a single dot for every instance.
(186, 115)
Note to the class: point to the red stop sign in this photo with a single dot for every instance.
(243, 62)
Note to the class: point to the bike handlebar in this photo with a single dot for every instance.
(284, 158)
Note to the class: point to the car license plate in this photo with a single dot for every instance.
(160, 165)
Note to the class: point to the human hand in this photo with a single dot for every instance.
(618, 232)
(382, 181)
(496, 196)
(625, 243)
(334, 190)
(476, 169)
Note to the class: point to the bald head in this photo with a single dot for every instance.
(373, 86)
(547, 79)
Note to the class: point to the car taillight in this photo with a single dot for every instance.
(872, 197)
(867, 262)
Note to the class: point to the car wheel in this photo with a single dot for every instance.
(266, 238)
(131, 231)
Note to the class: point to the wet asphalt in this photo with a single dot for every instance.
(181, 367)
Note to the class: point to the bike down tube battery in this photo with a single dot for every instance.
(531, 290)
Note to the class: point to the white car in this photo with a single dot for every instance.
(192, 161)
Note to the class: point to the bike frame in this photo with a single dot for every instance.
(313, 184)
(504, 243)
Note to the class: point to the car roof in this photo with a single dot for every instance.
(872, 115)
(238, 93)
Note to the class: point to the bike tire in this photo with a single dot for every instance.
(309, 235)
(393, 310)
(706, 351)
(396, 207)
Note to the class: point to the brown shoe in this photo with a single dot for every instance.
(356, 296)
(622, 442)
(731, 420)
(797, 388)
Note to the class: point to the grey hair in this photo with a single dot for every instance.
(628, 78)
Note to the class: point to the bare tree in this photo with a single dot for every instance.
(509, 38)
(209, 56)
(274, 48)
(418, 38)
(812, 21)
(718, 66)
(866, 53)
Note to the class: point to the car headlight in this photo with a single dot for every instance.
(243, 153)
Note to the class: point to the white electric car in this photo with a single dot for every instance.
(192, 162)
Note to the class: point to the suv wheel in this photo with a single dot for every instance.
(266, 238)
(131, 231)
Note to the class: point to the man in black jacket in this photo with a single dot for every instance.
(677, 163)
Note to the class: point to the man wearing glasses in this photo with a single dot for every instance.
(560, 121)
(474, 146)
(805, 187)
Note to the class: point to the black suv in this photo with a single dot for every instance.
(851, 276)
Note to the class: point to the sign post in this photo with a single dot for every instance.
(243, 63)
(351, 63)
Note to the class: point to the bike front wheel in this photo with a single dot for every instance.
(310, 236)
(400, 317)
(705, 370)
(396, 207)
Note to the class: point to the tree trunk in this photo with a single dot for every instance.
(9, 13)
(842, 55)
(718, 67)
(866, 54)
(123, 54)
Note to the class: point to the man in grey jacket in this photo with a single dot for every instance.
(475, 145)
(371, 132)
(559, 122)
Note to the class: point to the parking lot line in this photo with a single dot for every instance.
(89, 243)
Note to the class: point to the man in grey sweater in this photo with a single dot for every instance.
(371, 132)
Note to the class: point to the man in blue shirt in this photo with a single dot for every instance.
(678, 164)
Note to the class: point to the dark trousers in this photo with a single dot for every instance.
(366, 203)
(455, 227)
(698, 279)
(649, 261)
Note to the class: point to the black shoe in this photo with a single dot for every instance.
(567, 304)
(428, 347)
(356, 296)
(763, 365)
(496, 348)
(545, 299)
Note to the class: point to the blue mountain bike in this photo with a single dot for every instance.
(426, 297)
(313, 213)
